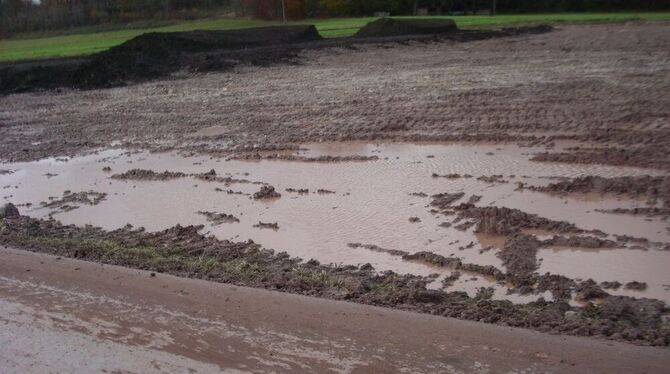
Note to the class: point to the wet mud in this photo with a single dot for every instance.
(605, 125)
(219, 218)
(73, 200)
(435, 177)
(150, 175)
(185, 252)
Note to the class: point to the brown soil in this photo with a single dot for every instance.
(9, 211)
(150, 175)
(183, 251)
(266, 192)
(606, 85)
(219, 218)
(393, 27)
(70, 201)
(267, 225)
(618, 102)
(651, 188)
(258, 156)
(155, 55)
(637, 286)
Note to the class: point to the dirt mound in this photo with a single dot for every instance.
(9, 211)
(396, 27)
(154, 55)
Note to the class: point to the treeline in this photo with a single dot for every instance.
(18, 16)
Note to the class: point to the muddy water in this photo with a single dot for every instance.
(372, 204)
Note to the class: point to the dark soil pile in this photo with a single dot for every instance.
(157, 54)
(154, 55)
(397, 27)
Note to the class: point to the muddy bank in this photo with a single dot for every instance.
(519, 251)
(183, 251)
(655, 156)
(156, 55)
(332, 336)
(654, 189)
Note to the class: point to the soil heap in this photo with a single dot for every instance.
(397, 27)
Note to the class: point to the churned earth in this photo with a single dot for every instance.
(521, 181)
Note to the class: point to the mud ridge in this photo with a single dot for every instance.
(72, 200)
(183, 251)
(219, 218)
(148, 175)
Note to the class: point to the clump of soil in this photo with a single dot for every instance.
(267, 225)
(580, 242)
(519, 255)
(301, 191)
(492, 179)
(503, 221)
(266, 192)
(449, 280)
(219, 218)
(9, 211)
(636, 286)
(451, 176)
(432, 259)
(444, 200)
(230, 192)
(653, 188)
(590, 290)
(414, 219)
(485, 270)
(211, 176)
(323, 191)
(183, 251)
(615, 285)
(375, 248)
(70, 201)
(285, 157)
(148, 175)
(474, 199)
(395, 27)
(5, 171)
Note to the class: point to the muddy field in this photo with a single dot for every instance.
(522, 180)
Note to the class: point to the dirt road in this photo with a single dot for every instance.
(59, 314)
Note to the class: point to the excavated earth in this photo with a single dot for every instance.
(604, 85)
(529, 148)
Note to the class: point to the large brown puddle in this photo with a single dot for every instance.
(372, 204)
